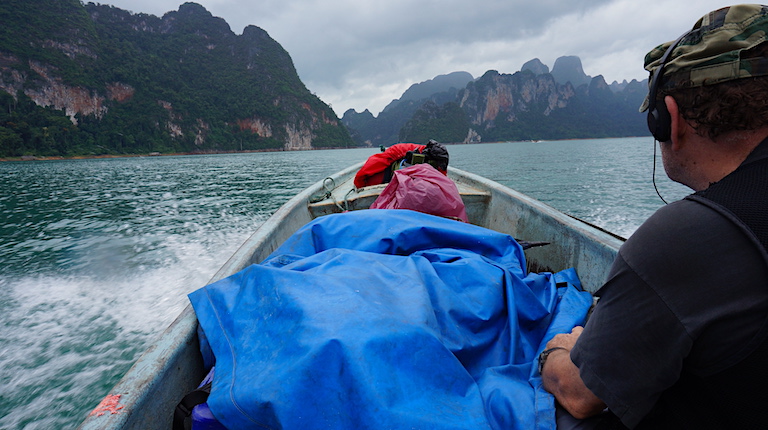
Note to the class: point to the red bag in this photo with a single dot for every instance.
(422, 188)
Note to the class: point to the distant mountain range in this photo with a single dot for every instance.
(93, 79)
(532, 104)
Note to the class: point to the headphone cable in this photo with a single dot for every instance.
(654, 173)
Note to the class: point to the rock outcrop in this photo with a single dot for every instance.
(568, 69)
(502, 97)
(535, 66)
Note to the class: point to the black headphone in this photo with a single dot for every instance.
(659, 120)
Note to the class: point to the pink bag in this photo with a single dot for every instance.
(422, 188)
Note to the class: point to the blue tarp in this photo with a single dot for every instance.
(386, 319)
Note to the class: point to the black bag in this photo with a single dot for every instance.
(182, 415)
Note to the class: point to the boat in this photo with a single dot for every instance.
(146, 396)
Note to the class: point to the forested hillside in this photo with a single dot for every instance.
(93, 79)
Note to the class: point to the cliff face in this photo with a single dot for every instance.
(41, 42)
(50, 90)
(496, 97)
(183, 82)
(535, 66)
(568, 69)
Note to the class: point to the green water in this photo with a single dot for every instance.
(98, 255)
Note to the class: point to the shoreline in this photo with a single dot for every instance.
(171, 154)
(144, 155)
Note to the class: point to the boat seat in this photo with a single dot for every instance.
(346, 197)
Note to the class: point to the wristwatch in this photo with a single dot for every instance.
(545, 354)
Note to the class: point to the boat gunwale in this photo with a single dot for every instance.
(170, 347)
(170, 355)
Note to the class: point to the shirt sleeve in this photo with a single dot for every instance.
(632, 348)
(634, 345)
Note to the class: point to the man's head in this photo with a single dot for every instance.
(717, 73)
(436, 155)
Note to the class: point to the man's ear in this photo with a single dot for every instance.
(678, 126)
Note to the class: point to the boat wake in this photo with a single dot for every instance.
(70, 338)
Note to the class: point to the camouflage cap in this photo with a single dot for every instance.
(715, 50)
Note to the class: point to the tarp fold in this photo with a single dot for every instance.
(386, 319)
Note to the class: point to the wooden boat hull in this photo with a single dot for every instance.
(147, 395)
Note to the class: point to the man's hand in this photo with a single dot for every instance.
(561, 378)
(566, 340)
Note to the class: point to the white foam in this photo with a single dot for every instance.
(68, 339)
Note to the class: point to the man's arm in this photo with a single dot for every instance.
(561, 378)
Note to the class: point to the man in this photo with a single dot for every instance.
(679, 336)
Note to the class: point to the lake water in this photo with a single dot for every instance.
(98, 255)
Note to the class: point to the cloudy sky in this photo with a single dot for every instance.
(361, 54)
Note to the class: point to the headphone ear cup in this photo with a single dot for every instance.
(660, 122)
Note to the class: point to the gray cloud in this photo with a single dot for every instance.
(362, 53)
